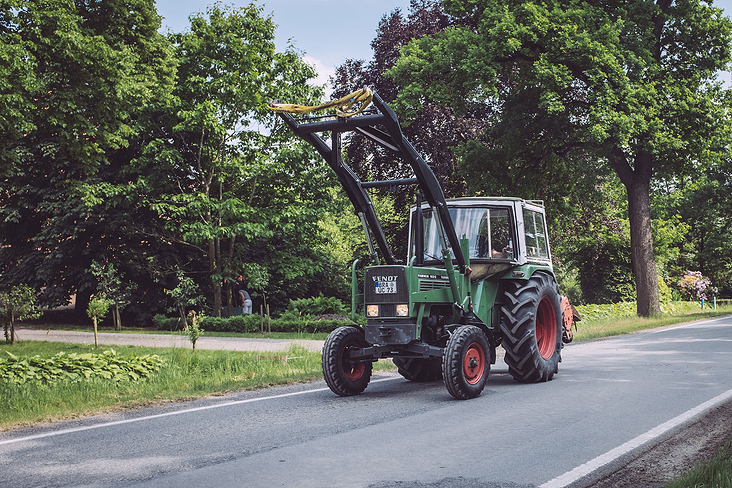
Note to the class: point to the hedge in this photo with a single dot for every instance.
(252, 323)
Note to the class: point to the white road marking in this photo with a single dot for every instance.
(594, 464)
(169, 414)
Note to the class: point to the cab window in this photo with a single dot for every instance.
(536, 243)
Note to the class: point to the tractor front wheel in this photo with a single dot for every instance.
(531, 325)
(466, 362)
(345, 376)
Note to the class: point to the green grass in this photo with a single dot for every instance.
(186, 374)
(716, 473)
(608, 327)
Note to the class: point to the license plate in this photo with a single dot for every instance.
(386, 287)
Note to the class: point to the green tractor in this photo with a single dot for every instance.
(478, 275)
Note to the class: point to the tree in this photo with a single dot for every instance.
(19, 303)
(628, 83)
(703, 204)
(112, 285)
(434, 129)
(193, 329)
(79, 76)
(96, 310)
(185, 294)
(212, 167)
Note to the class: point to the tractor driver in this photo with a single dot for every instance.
(500, 235)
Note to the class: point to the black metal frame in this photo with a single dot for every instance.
(391, 139)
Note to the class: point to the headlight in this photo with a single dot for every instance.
(372, 310)
(402, 310)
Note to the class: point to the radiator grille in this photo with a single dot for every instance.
(391, 279)
(427, 285)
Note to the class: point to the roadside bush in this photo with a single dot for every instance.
(312, 307)
(237, 323)
(251, 324)
(162, 322)
(77, 367)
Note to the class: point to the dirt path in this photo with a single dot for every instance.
(165, 340)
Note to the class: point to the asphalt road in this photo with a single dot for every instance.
(611, 399)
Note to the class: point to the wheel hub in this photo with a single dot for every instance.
(474, 364)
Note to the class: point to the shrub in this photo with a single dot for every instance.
(77, 367)
(162, 322)
(696, 287)
(251, 324)
(320, 305)
(237, 323)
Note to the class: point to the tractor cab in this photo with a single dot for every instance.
(501, 233)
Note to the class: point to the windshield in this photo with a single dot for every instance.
(488, 231)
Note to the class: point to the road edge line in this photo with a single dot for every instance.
(594, 464)
(169, 414)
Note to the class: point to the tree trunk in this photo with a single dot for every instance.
(229, 300)
(637, 181)
(229, 284)
(182, 313)
(12, 328)
(116, 318)
(96, 342)
(214, 271)
(81, 303)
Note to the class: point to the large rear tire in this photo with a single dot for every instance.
(418, 369)
(531, 324)
(344, 376)
(466, 362)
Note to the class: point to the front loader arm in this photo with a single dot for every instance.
(351, 183)
(392, 139)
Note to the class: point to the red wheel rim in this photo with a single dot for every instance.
(352, 372)
(474, 363)
(546, 328)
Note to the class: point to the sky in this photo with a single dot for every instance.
(327, 31)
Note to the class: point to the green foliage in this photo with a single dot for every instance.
(595, 312)
(115, 288)
(74, 367)
(320, 305)
(251, 324)
(570, 85)
(184, 374)
(75, 90)
(19, 303)
(716, 473)
(98, 307)
(193, 329)
(238, 323)
(702, 203)
(185, 294)
(223, 175)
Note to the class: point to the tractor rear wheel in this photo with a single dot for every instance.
(466, 362)
(419, 369)
(531, 324)
(344, 375)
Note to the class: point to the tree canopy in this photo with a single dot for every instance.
(156, 155)
(627, 83)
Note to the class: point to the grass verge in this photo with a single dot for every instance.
(608, 327)
(717, 473)
(186, 374)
